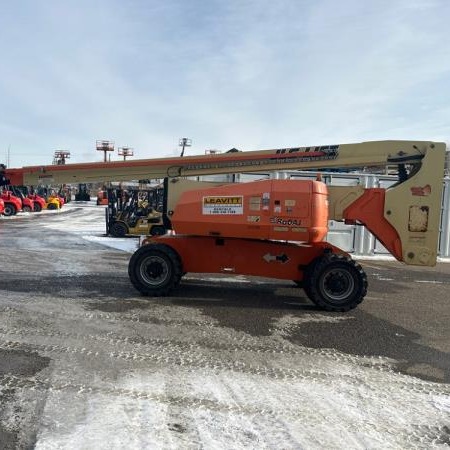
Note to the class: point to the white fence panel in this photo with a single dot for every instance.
(444, 241)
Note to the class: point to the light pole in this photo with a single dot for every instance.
(60, 156)
(125, 152)
(105, 147)
(183, 143)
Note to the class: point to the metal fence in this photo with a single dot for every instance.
(357, 239)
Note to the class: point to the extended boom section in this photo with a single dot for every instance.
(376, 153)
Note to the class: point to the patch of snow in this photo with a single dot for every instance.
(129, 245)
(289, 323)
(335, 403)
(225, 279)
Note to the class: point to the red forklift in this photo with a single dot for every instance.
(38, 201)
(12, 203)
(27, 203)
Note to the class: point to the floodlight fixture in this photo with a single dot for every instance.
(125, 152)
(105, 147)
(60, 156)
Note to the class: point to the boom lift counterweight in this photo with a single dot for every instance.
(275, 228)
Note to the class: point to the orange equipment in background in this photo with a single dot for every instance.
(102, 197)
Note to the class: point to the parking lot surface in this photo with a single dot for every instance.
(242, 362)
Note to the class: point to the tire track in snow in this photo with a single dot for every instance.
(270, 416)
(208, 338)
(173, 357)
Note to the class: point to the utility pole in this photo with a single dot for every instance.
(184, 142)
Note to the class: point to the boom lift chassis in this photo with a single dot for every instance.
(404, 217)
(330, 278)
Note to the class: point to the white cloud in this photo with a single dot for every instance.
(246, 74)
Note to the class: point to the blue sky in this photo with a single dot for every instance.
(232, 73)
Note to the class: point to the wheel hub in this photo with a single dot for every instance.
(338, 284)
(154, 270)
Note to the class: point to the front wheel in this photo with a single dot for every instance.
(336, 283)
(155, 269)
(118, 229)
(10, 210)
(26, 208)
(37, 207)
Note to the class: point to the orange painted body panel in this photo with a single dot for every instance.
(293, 210)
(282, 260)
(369, 210)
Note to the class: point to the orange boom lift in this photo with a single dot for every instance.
(276, 228)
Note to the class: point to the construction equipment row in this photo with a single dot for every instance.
(16, 199)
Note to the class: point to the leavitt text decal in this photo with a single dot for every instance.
(223, 205)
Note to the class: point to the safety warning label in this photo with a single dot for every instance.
(232, 205)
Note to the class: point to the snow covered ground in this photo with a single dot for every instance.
(192, 383)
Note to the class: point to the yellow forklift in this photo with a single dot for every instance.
(135, 212)
(52, 199)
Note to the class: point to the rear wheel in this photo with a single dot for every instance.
(26, 208)
(37, 207)
(335, 283)
(10, 210)
(52, 206)
(118, 229)
(155, 269)
(157, 230)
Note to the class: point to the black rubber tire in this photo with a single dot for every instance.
(155, 270)
(157, 230)
(26, 208)
(37, 207)
(118, 229)
(306, 275)
(51, 206)
(10, 210)
(306, 282)
(335, 283)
